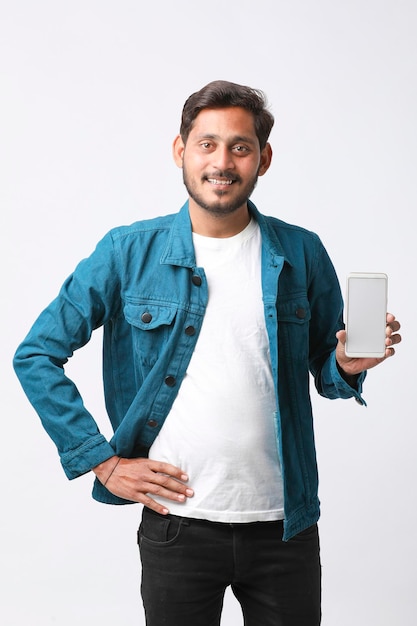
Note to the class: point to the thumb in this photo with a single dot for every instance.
(341, 336)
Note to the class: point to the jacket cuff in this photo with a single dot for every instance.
(91, 453)
(344, 387)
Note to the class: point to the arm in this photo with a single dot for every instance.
(326, 321)
(336, 375)
(88, 298)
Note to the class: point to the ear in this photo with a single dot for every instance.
(266, 158)
(178, 150)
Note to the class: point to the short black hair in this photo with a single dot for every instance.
(221, 94)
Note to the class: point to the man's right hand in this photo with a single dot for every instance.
(138, 479)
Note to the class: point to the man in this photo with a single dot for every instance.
(212, 319)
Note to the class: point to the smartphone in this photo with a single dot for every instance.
(366, 312)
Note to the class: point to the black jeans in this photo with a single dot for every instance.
(187, 565)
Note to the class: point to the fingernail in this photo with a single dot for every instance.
(189, 492)
(184, 477)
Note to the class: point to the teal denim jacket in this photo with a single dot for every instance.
(142, 285)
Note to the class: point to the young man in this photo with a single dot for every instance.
(212, 318)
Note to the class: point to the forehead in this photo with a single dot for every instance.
(225, 122)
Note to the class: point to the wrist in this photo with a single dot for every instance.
(104, 470)
(350, 379)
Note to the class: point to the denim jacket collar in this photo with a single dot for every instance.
(179, 249)
(270, 239)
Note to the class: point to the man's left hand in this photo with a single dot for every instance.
(353, 366)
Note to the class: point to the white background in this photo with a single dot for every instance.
(91, 95)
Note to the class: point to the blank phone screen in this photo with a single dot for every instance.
(366, 314)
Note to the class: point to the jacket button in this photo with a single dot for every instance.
(300, 313)
(190, 331)
(170, 381)
(152, 423)
(196, 280)
(146, 318)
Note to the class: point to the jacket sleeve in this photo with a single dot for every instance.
(326, 304)
(87, 299)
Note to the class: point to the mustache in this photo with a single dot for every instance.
(224, 174)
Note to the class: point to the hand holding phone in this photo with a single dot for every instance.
(366, 311)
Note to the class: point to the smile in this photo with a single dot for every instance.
(216, 181)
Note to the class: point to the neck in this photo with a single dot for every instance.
(219, 226)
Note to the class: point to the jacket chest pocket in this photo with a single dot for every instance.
(151, 325)
(294, 316)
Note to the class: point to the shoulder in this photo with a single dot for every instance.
(142, 227)
(300, 247)
(291, 240)
(290, 231)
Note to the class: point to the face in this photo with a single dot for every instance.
(221, 160)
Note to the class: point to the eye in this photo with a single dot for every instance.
(241, 149)
(206, 145)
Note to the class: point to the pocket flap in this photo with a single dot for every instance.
(148, 316)
(295, 310)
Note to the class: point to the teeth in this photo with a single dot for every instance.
(216, 181)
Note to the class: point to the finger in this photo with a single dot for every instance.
(393, 339)
(341, 336)
(392, 321)
(160, 483)
(166, 468)
(146, 472)
(393, 327)
(167, 492)
(165, 474)
(151, 504)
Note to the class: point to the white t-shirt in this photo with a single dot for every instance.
(221, 427)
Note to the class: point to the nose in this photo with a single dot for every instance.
(223, 158)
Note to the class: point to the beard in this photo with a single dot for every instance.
(220, 207)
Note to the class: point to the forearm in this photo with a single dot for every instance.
(333, 384)
(63, 415)
(63, 327)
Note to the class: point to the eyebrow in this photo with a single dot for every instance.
(234, 139)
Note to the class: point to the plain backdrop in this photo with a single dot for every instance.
(91, 95)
